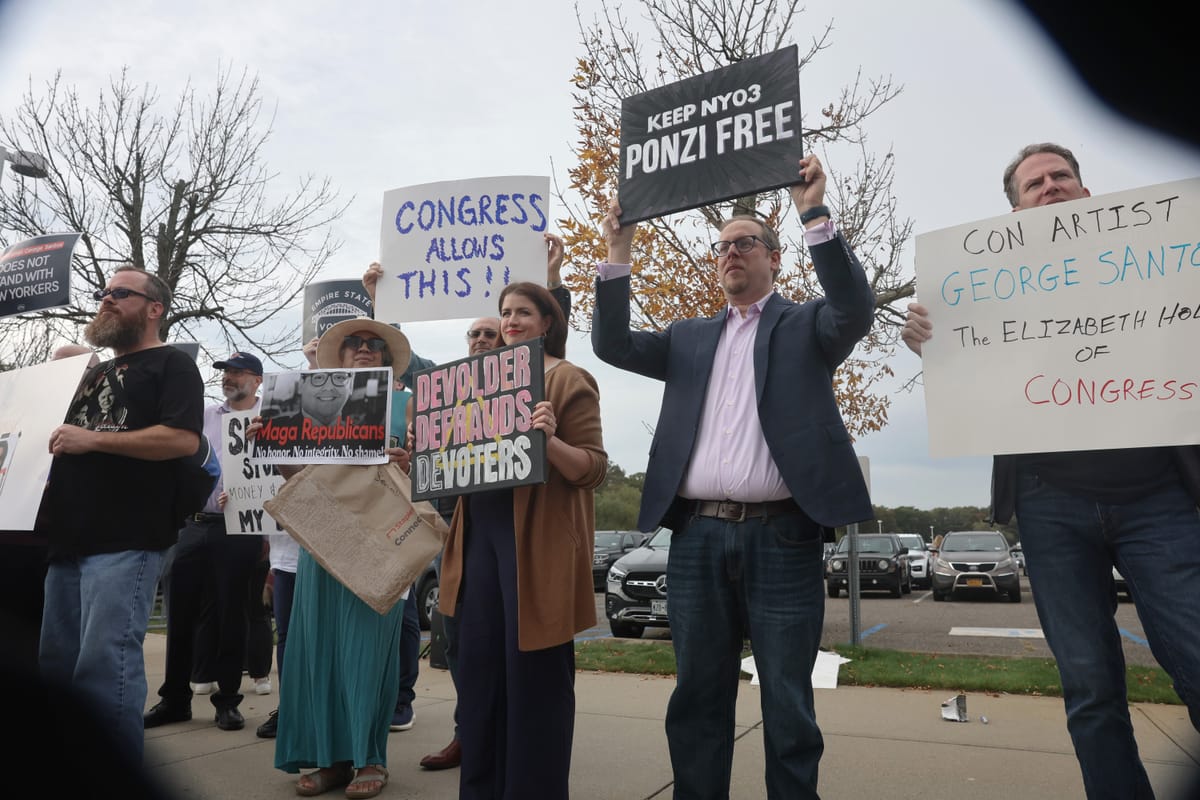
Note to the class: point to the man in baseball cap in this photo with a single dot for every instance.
(246, 361)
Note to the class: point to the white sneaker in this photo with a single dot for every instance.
(262, 685)
(203, 688)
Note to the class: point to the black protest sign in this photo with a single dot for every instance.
(35, 274)
(472, 423)
(329, 302)
(724, 134)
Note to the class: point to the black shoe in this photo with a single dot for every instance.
(230, 719)
(164, 713)
(267, 729)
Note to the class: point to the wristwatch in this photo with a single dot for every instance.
(813, 213)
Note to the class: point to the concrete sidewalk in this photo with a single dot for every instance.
(878, 742)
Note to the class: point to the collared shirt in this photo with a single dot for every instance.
(730, 459)
(212, 429)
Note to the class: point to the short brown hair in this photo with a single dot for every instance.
(769, 236)
(1010, 172)
(156, 288)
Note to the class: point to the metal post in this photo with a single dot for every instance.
(852, 566)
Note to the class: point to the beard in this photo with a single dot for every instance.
(116, 330)
(235, 393)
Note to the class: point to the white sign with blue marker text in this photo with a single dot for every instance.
(447, 249)
(1066, 327)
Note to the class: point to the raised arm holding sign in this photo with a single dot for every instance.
(1086, 332)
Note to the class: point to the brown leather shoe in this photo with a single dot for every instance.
(448, 757)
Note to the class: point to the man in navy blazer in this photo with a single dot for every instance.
(750, 464)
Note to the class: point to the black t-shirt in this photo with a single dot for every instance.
(102, 503)
(1106, 476)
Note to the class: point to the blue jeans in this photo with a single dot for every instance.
(93, 629)
(726, 580)
(1071, 544)
(410, 651)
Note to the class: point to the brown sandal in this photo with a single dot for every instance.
(326, 779)
(378, 775)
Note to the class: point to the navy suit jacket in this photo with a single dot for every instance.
(797, 348)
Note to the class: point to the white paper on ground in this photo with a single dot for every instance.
(824, 674)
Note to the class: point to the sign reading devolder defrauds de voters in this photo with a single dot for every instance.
(724, 134)
(1067, 327)
(447, 249)
(472, 423)
(247, 485)
(325, 416)
(35, 274)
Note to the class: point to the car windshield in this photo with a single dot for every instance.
(975, 542)
(661, 539)
(869, 544)
(608, 539)
(912, 540)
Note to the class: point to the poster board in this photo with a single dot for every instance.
(36, 274)
(248, 485)
(326, 303)
(447, 249)
(1066, 327)
(472, 423)
(726, 133)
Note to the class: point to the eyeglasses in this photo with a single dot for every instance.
(320, 378)
(486, 333)
(374, 344)
(119, 293)
(744, 244)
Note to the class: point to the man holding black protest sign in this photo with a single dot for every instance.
(1083, 513)
(751, 464)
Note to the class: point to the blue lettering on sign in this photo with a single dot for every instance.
(419, 284)
(516, 208)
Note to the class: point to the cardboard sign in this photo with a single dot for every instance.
(472, 423)
(325, 416)
(36, 274)
(33, 402)
(327, 303)
(447, 249)
(713, 137)
(248, 485)
(1066, 327)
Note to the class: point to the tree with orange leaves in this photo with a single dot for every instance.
(672, 274)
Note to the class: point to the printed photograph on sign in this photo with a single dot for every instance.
(327, 303)
(472, 423)
(247, 484)
(447, 249)
(726, 133)
(36, 274)
(1065, 327)
(325, 416)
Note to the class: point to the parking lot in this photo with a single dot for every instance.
(915, 622)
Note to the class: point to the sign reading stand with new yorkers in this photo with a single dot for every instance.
(713, 137)
(472, 423)
(1072, 326)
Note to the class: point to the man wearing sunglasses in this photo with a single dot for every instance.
(751, 465)
(108, 503)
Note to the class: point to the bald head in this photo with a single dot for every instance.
(68, 350)
(483, 335)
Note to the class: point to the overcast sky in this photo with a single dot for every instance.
(379, 96)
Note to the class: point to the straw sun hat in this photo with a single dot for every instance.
(330, 345)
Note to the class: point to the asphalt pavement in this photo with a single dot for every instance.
(878, 742)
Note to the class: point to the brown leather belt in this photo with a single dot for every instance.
(201, 517)
(732, 510)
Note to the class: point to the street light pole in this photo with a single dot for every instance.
(24, 162)
(880, 525)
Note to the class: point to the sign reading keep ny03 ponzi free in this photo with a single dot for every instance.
(1067, 327)
(727, 133)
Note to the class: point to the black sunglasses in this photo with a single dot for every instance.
(486, 333)
(120, 293)
(374, 344)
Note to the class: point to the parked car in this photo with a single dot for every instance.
(882, 565)
(975, 561)
(918, 558)
(1019, 556)
(611, 545)
(427, 595)
(636, 596)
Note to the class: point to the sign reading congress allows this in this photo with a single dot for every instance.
(247, 484)
(33, 402)
(1071, 326)
(724, 134)
(447, 249)
(326, 303)
(472, 423)
(35, 274)
(325, 416)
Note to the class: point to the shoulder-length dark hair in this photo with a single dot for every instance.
(547, 306)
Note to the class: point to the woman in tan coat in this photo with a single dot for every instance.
(517, 576)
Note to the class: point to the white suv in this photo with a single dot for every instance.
(918, 559)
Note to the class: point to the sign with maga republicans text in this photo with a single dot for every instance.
(1067, 327)
(35, 274)
(247, 485)
(724, 134)
(447, 249)
(472, 423)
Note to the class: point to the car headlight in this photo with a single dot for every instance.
(884, 564)
(615, 573)
(836, 565)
